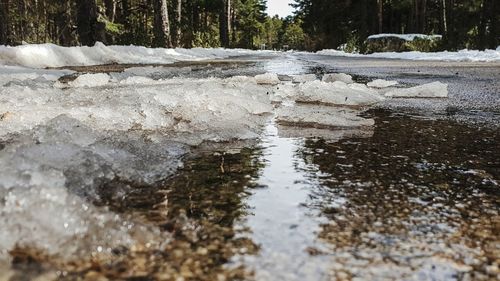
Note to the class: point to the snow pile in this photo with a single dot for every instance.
(342, 77)
(336, 93)
(210, 109)
(406, 37)
(51, 176)
(90, 80)
(321, 117)
(61, 150)
(380, 83)
(430, 90)
(50, 55)
(267, 79)
(463, 55)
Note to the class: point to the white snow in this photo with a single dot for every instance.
(267, 79)
(50, 55)
(90, 80)
(406, 37)
(463, 55)
(380, 83)
(430, 90)
(342, 77)
(336, 93)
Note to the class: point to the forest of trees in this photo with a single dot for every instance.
(470, 24)
(317, 24)
(158, 23)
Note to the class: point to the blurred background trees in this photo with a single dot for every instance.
(463, 23)
(317, 24)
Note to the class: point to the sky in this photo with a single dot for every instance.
(279, 7)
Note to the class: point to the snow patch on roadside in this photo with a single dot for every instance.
(380, 83)
(50, 55)
(430, 90)
(406, 37)
(463, 55)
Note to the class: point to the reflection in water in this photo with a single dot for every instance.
(280, 224)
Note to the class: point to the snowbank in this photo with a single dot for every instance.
(406, 37)
(463, 55)
(50, 55)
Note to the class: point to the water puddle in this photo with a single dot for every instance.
(406, 199)
(280, 223)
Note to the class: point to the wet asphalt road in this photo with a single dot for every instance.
(474, 87)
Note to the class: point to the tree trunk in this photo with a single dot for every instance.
(494, 22)
(380, 4)
(87, 25)
(481, 44)
(110, 6)
(178, 23)
(63, 23)
(225, 23)
(4, 22)
(161, 24)
(445, 19)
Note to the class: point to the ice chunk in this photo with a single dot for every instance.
(337, 93)
(188, 110)
(430, 90)
(380, 83)
(303, 78)
(90, 80)
(267, 79)
(342, 77)
(50, 178)
(321, 117)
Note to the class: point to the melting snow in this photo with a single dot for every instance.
(406, 37)
(62, 142)
(50, 55)
(342, 77)
(463, 55)
(430, 90)
(380, 83)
